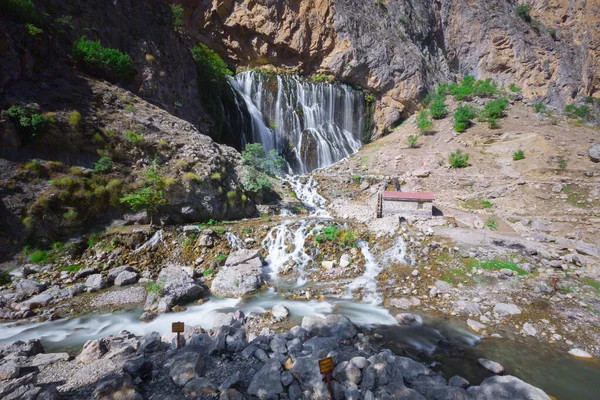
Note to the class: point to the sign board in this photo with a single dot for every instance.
(177, 327)
(326, 365)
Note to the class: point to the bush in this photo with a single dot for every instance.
(492, 223)
(133, 137)
(211, 65)
(255, 156)
(27, 120)
(39, 257)
(539, 107)
(94, 55)
(104, 164)
(216, 176)
(536, 25)
(518, 155)
(177, 10)
(33, 30)
(458, 159)
(438, 108)
(522, 12)
(412, 140)
(462, 117)
(495, 108)
(150, 197)
(191, 177)
(562, 163)
(74, 119)
(582, 112)
(468, 88)
(71, 216)
(514, 88)
(424, 122)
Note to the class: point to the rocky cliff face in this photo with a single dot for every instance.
(401, 49)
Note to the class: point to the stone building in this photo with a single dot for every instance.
(407, 203)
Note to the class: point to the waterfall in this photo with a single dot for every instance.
(313, 124)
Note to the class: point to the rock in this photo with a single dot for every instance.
(506, 388)
(529, 329)
(557, 188)
(345, 261)
(222, 319)
(95, 282)
(587, 249)
(333, 325)
(82, 273)
(191, 229)
(280, 312)
(403, 303)
(504, 309)
(116, 387)
(122, 297)
(580, 353)
(491, 365)
(49, 358)
(138, 366)
(151, 342)
(347, 371)
(287, 378)
(594, 152)
(475, 326)
(113, 273)
(22, 349)
(266, 383)
(243, 256)
(126, 278)
(236, 279)
(231, 394)
(405, 318)
(27, 287)
(230, 381)
(458, 381)
(177, 288)
(8, 370)
(421, 173)
(200, 388)
(186, 366)
(92, 350)
(328, 265)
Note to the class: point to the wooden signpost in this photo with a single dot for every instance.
(326, 367)
(178, 328)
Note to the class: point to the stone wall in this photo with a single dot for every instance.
(406, 208)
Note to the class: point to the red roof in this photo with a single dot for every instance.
(408, 196)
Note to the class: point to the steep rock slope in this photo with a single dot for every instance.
(401, 49)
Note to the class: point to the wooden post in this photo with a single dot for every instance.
(178, 328)
(326, 368)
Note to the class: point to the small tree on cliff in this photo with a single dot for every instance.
(259, 166)
(152, 195)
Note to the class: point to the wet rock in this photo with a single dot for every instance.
(491, 365)
(186, 366)
(280, 312)
(504, 309)
(95, 282)
(223, 319)
(20, 348)
(126, 278)
(116, 387)
(405, 319)
(529, 329)
(458, 381)
(337, 326)
(476, 326)
(8, 370)
(580, 353)
(92, 350)
(506, 388)
(266, 383)
(178, 287)
(200, 388)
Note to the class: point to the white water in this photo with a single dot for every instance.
(313, 124)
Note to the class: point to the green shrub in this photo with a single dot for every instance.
(322, 78)
(333, 233)
(104, 164)
(514, 88)
(231, 196)
(518, 155)
(74, 118)
(95, 56)
(412, 140)
(492, 223)
(71, 216)
(34, 166)
(562, 163)
(424, 122)
(216, 176)
(486, 204)
(552, 32)
(33, 30)
(522, 12)
(29, 223)
(493, 123)
(582, 112)
(255, 156)
(468, 88)
(458, 159)
(39, 257)
(133, 137)
(211, 65)
(19, 10)
(27, 120)
(495, 108)
(536, 25)
(462, 117)
(191, 177)
(208, 272)
(151, 196)
(539, 107)
(177, 10)
(438, 108)
(71, 267)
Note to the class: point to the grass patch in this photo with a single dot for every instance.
(592, 282)
(335, 234)
(100, 58)
(497, 264)
(39, 257)
(518, 155)
(71, 268)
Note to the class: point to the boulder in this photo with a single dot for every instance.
(113, 273)
(200, 388)
(116, 387)
(337, 326)
(92, 350)
(49, 358)
(266, 383)
(405, 318)
(491, 365)
(458, 381)
(506, 388)
(176, 287)
(244, 256)
(8, 370)
(95, 282)
(280, 312)
(236, 279)
(594, 152)
(82, 273)
(504, 309)
(186, 366)
(126, 278)
(580, 353)
(22, 349)
(27, 287)
(475, 326)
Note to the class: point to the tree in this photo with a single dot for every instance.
(258, 166)
(150, 197)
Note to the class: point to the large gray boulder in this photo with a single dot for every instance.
(266, 383)
(242, 274)
(95, 282)
(504, 309)
(506, 388)
(113, 273)
(186, 366)
(337, 326)
(27, 287)
(126, 278)
(176, 287)
(594, 152)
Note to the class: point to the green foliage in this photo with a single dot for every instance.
(71, 216)
(552, 32)
(104, 164)
(462, 117)
(322, 78)
(562, 163)
(370, 99)
(208, 272)
(438, 108)
(522, 12)
(536, 25)
(19, 10)
(220, 259)
(333, 233)
(39, 257)
(539, 107)
(495, 108)
(458, 159)
(33, 30)
(211, 65)
(150, 197)
(177, 10)
(518, 155)
(191, 177)
(424, 122)
(412, 141)
(74, 118)
(34, 166)
(492, 223)
(500, 264)
(231, 197)
(71, 267)
(216, 176)
(27, 120)
(468, 88)
(95, 56)
(514, 88)
(155, 287)
(582, 112)
(255, 156)
(133, 137)
(486, 204)
(592, 282)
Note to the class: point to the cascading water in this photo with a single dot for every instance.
(313, 124)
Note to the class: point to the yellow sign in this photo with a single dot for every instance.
(177, 327)
(326, 365)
